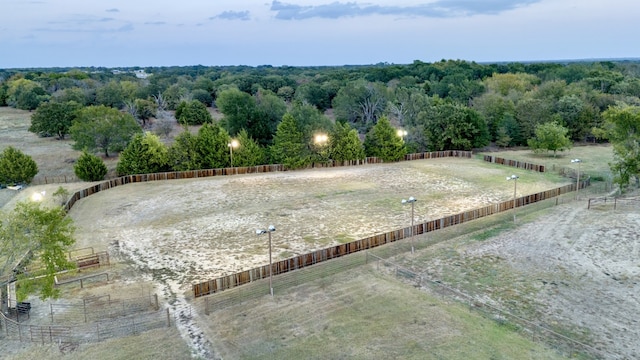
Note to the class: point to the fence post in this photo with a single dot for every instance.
(615, 203)
(206, 306)
(169, 318)
(156, 301)
(51, 306)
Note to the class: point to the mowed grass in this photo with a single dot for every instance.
(364, 314)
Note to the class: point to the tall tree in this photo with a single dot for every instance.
(249, 152)
(289, 145)
(16, 167)
(622, 128)
(360, 103)
(550, 136)
(383, 141)
(54, 118)
(145, 154)
(47, 233)
(212, 147)
(183, 155)
(345, 144)
(101, 128)
(450, 126)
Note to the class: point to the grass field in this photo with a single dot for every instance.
(170, 234)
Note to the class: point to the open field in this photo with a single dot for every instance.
(171, 234)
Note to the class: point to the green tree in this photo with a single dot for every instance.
(550, 136)
(182, 155)
(382, 141)
(345, 144)
(100, 128)
(145, 154)
(48, 234)
(90, 167)
(16, 167)
(54, 118)
(238, 109)
(111, 95)
(193, 113)
(450, 126)
(212, 147)
(361, 103)
(25, 94)
(289, 145)
(249, 152)
(622, 128)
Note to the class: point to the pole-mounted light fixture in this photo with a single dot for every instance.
(269, 230)
(573, 161)
(515, 187)
(411, 201)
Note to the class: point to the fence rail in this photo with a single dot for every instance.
(514, 163)
(312, 258)
(96, 319)
(613, 201)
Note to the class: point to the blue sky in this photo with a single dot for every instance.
(114, 33)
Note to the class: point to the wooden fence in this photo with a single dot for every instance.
(175, 175)
(304, 260)
(514, 163)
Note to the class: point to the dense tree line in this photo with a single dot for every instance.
(450, 104)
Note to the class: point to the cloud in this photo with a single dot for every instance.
(232, 15)
(114, 10)
(155, 23)
(438, 9)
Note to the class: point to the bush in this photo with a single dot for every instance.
(90, 167)
(16, 167)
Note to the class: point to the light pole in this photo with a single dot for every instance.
(269, 230)
(578, 177)
(411, 201)
(233, 144)
(515, 187)
(320, 140)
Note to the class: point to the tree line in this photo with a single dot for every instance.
(450, 104)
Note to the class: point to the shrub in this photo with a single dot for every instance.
(90, 167)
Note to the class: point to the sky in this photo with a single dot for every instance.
(119, 33)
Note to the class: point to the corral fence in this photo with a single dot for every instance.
(44, 180)
(514, 163)
(193, 174)
(533, 330)
(322, 255)
(93, 320)
(613, 202)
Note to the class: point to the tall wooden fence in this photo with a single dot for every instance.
(174, 175)
(304, 260)
(514, 163)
